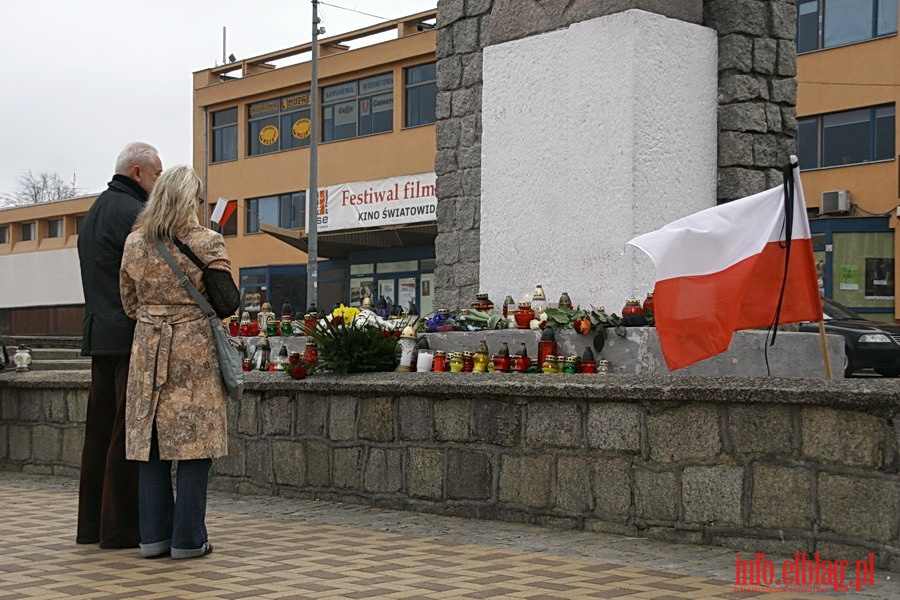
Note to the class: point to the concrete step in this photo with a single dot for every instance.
(45, 358)
(43, 341)
(45, 354)
(79, 364)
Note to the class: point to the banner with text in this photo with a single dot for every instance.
(393, 201)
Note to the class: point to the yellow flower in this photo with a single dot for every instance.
(347, 313)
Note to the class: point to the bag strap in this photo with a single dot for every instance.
(189, 253)
(185, 282)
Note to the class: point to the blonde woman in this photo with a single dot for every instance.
(175, 407)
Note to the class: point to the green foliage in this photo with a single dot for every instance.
(353, 348)
(480, 319)
(562, 318)
(565, 318)
(601, 320)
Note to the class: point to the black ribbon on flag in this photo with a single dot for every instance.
(788, 179)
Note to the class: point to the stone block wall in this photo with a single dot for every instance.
(42, 427)
(774, 465)
(757, 91)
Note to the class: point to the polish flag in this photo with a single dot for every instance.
(730, 267)
(223, 211)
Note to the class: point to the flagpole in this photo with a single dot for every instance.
(824, 341)
(312, 212)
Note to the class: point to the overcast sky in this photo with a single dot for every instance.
(81, 78)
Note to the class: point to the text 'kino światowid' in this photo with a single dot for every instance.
(410, 191)
(396, 213)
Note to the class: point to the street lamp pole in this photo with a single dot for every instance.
(312, 211)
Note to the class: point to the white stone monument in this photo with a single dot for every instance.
(592, 135)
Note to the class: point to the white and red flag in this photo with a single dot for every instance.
(223, 211)
(740, 265)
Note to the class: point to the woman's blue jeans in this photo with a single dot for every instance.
(170, 522)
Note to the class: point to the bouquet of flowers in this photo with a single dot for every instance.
(348, 341)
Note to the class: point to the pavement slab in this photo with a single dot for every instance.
(274, 547)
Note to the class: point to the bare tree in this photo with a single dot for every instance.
(43, 187)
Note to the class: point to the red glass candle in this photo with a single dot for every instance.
(437, 365)
(648, 303)
(468, 362)
(524, 315)
(482, 302)
(254, 328)
(546, 345)
(587, 364)
(632, 307)
(310, 354)
(521, 363)
(234, 327)
(501, 363)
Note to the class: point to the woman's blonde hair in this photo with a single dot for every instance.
(171, 208)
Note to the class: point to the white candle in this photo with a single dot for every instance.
(423, 361)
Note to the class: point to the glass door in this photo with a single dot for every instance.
(855, 260)
(401, 293)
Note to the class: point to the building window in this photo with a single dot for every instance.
(286, 210)
(28, 232)
(54, 228)
(830, 23)
(279, 124)
(846, 138)
(356, 108)
(421, 94)
(79, 224)
(224, 135)
(4, 235)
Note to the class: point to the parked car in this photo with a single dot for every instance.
(868, 344)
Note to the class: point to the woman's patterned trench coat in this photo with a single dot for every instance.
(174, 377)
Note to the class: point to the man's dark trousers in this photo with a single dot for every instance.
(108, 497)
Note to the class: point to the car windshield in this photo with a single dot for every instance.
(834, 310)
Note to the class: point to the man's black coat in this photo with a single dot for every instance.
(107, 329)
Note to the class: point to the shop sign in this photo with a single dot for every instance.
(301, 128)
(393, 201)
(268, 135)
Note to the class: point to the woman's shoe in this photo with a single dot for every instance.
(179, 554)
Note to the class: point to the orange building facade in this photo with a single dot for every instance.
(376, 209)
(848, 72)
(40, 279)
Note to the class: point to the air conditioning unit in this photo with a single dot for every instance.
(836, 201)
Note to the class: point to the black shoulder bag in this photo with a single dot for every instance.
(223, 295)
